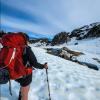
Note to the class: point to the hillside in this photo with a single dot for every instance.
(84, 32)
(71, 81)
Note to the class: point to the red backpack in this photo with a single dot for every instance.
(11, 55)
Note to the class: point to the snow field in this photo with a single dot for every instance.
(68, 80)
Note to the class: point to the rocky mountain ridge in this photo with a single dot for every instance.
(87, 31)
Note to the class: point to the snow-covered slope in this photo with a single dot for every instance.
(68, 80)
(90, 47)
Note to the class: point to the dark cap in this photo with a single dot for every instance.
(26, 36)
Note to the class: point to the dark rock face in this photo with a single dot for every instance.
(60, 38)
(79, 33)
(87, 31)
(64, 53)
(52, 51)
(93, 32)
(89, 65)
(96, 59)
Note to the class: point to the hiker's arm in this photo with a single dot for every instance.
(33, 61)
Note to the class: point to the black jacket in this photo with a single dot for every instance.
(30, 60)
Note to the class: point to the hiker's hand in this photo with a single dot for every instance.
(46, 66)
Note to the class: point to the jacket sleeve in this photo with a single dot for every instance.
(32, 59)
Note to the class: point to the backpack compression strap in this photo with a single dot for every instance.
(12, 57)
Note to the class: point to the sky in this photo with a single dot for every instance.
(45, 18)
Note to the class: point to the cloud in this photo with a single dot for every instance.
(45, 20)
(20, 24)
(50, 16)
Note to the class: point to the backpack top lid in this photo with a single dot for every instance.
(14, 40)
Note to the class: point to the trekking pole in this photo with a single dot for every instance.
(48, 84)
(0, 92)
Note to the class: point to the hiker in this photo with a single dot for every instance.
(29, 61)
(17, 60)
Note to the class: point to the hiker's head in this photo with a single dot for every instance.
(25, 36)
